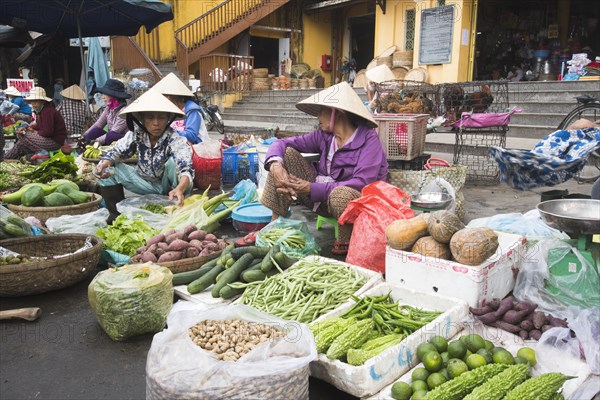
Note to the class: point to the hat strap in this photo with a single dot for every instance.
(332, 119)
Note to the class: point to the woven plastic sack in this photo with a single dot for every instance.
(178, 369)
(379, 205)
(293, 227)
(132, 300)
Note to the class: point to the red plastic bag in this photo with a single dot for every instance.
(380, 204)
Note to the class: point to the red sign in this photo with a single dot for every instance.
(22, 85)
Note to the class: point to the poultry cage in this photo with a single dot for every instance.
(478, 113)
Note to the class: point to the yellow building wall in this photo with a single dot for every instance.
(390, 29)
(317, 41)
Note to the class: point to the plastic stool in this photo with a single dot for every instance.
(331, 221)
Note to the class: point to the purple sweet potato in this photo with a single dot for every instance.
(162, 245)
(558, 322)
(211, 237)
(178, 245)
(506, 326)
(212, 247)
(539, 319)
(169, 232)
(159, 252)
(535, 334)
(515, 317)
(222, 244)
(152, 248)
(523, 334)
(148, 257)
(174, 236)
(189, 229)
(156, 239)
(141, 250)
(205, 243)
(197, 235)
(488, 318)
(526, 325)
(546, 327)
(523, 305)
(505, 305)
(136, 259)
(170, 256)
(197, 244)
(481, 310)
(205, 252)
(494, 304)
(191, 252)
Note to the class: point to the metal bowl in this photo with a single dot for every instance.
(432, 200)
(580, 216)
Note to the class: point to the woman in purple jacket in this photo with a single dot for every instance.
(351, 157)
(114, 96)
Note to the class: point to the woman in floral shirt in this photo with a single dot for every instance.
(164, 158)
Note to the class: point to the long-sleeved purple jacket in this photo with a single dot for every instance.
(355, 165)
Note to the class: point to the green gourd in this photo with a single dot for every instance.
(77, 196)
(57, 200)
(34, 196)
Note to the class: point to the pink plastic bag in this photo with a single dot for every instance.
(380, 204)
(484, 120)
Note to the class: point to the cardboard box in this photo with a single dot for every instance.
(387, 367)
(494, 278)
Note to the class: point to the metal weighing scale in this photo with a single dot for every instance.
(580, 219)
(430, 201)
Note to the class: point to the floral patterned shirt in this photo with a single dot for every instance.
(152, 160)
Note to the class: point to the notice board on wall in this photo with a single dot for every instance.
(436, 35)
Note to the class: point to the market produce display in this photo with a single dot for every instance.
(231, 339)
(92, 152)
(442, 235)
(126, 235)
(10, 175)
(517, 317)
(59, 166)
(11, 225)
(174, 245)
(372, 325)
(472, 368)
(39, 194)
(18, 259)
(305, 292)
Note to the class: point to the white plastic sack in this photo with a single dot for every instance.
(132, 206)
(83, 223)
(441, 185)
(177, 368)
(208, 148)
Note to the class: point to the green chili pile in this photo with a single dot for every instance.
(306, 291)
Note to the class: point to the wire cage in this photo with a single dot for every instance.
(405, 97)
(475, 97)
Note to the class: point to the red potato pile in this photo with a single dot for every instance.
(518, 317)
(178, 245)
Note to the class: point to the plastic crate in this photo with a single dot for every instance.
(239, 166)
(402, 135)
(207, 172)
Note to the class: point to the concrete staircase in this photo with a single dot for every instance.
(168, 67)
(544, 105)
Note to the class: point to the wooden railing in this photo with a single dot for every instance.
(127, 55)
(225, 72)
(150, 43)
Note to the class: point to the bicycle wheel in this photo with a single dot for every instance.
(209, 122)
(589, 111)
(218, 121)
(591, 170)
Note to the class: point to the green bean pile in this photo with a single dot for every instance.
(306, 291)
(287, 236)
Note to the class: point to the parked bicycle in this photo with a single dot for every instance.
(588, 108)
(210, 113)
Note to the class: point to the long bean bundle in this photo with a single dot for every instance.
(307, 291)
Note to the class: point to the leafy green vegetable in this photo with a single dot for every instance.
(154, 208)
(126, 235)
(59, 166)
(10, 177)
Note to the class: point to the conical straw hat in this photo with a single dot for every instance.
(380, 74)
(173, 86)
(12, 91)
(73, 92)
(38, 93)
(341, 97)
(152, 101)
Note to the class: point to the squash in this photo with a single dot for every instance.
(57, 200)
(34, 196)
(443, 224)
(430, 247)
(401, 234)
(472, 246)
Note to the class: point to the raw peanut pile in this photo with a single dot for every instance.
(231, 339)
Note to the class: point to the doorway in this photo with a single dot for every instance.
(265, 52)
(362, 39)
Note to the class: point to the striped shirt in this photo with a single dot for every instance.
(74, 114)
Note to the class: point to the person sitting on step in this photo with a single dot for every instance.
(114, 96)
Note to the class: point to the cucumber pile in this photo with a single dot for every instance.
(12, 226)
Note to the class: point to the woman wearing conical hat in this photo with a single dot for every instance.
(73, 109)
(164, 163)
(351, 157)
(193, 126)
(377, 75)
(24, 111)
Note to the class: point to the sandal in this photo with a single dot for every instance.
(340, 248)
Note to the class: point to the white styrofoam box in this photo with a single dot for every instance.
(494, 278)
(373, 278)
(388, 366)
(204, 297)
(548, 361)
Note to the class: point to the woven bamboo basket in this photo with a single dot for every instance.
(43, 213)
(189, 264)
(42, 276)
(385, 60)
(400, 72)
(303, 83)
(402, 59)
(312, 83)
(260, 73)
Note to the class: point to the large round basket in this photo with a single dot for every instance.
(43, 213)
(42, 276)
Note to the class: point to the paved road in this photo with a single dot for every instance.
(66, 355)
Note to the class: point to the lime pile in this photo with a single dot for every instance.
(444, 361)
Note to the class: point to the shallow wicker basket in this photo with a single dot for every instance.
(46, 275)
(43, 213)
